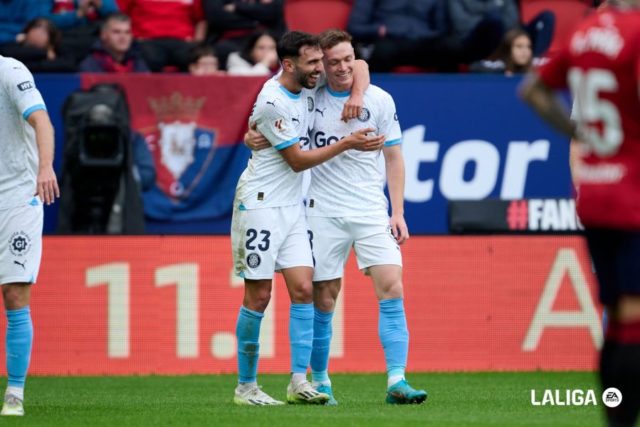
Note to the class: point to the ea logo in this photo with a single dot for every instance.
(612, 397)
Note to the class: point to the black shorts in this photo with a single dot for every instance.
(616, 257)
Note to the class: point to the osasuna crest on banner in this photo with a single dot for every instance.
(181, 148)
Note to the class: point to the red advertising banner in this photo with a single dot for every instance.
(168, 305)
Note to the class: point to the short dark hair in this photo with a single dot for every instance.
(333, 37)
(291, 42)
(200, 51)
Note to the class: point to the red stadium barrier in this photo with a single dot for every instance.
(168, 305)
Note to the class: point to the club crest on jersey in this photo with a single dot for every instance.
(364, 115)
(310, 103)
(181, 148)
(19, 243)
(253, 260)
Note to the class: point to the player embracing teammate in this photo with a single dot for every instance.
(346, 206)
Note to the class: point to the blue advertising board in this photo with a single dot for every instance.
(465, 137)
(469, 137)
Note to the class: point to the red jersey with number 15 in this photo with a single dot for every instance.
(601, 66)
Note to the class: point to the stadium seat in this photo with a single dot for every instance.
(315, 16)
(568, 13)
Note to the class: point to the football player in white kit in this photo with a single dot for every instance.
(269, 230)
(27, 180)
(346, 207)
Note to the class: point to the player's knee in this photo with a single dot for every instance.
(15, 295)
(325, 294)
(389, 290)
(257, 300)
(301, 292)
(324, 302)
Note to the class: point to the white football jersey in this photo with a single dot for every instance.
(284, 118)
(352, 183)
(18, 150)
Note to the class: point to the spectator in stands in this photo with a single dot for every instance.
(232, 22)
(15, 14)
(166, 30)
(38, 47)
(68, 14)
(514, 56)
(80, 21)
(258, 58)
(399, 32)
(541, 30)
(478, 26)
(203, 61)
(115, 52)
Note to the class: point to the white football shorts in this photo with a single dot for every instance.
(269, 239)
(332, 238)
(21, 242)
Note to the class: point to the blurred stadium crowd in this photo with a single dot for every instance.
(239, 36)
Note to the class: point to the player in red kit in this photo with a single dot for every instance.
(601, 66)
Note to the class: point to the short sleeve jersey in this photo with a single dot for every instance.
(601, 66)
(352, 183)
(18, 150)
(284, 118)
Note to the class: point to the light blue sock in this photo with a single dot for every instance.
(394, 335)
(300, 336)
(18, 345)
(322, 332)
(248, 334)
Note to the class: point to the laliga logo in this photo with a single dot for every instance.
(485, 157)
(611, 397)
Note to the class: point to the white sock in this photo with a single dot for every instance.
(246, 386)
(298, 378)
(15, 391)
(394, 379)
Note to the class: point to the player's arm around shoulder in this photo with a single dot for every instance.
(47, 183)
(361, 82)
(394, 164)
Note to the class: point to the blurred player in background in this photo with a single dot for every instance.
(601, 66)
(269, 230)
(27, 180)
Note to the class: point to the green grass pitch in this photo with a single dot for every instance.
(455, 399)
